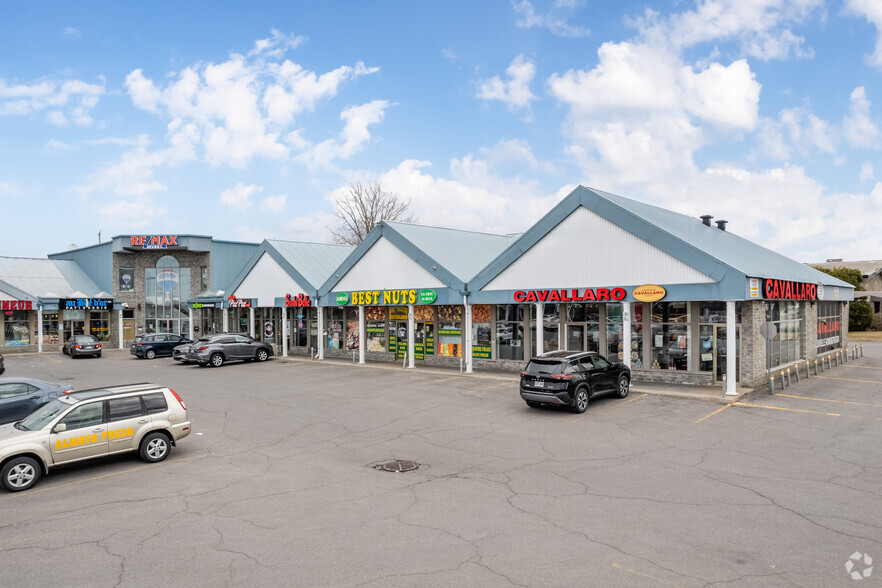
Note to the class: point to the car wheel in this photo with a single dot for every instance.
(150, 354)
(624, 386)
(217, 360)
(580, 401)
(20, 473)
(99, 355)
(262, 355)
(154, 447)
(532, 404)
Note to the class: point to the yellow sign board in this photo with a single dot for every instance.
(648, 293)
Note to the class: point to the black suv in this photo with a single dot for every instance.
(572, 378)
(150, 346)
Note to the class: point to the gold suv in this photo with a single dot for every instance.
(88, 424)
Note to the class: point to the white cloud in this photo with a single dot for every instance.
(797, 130)
(872, 11)
(354, 136)
(71, 33)
(858, 125)
(515, 92)
(273, 203)
(65, 102)
(761, 26)
(244, 107)
(867, 172)
(239, 196)
(449, 55)
(556, 24)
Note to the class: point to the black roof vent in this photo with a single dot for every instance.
(721, 224)
(706, 219)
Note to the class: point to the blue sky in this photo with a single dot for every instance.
(245, 122)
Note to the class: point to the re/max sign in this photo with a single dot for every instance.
(154, 241)
(595, 294)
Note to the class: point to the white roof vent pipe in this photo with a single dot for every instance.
(706, 219)
(721, 224)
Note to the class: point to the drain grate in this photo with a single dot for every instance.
(397, 466)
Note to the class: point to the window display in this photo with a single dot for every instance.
(16, 327)
(510, 331)
(829, 326)
(481, 332)
(671, 336)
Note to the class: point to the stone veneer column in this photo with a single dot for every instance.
(753, 345)
(810, 330)
(843, 317)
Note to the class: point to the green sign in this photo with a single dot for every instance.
(481, 352)
(342, 298)
(427, 296)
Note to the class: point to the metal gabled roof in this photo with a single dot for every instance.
(451, 255)
(719, 254)
(464, 253)
(868, 268)
(46, 278)
(309, 264)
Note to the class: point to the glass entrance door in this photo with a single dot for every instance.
(721, 350)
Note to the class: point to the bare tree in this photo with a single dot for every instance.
(363, 207)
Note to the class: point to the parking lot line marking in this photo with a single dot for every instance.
(644, 575)
(831, 400)
(631, 400)
(848, 380)
(782, 408)
(719, 410)
(861, 367)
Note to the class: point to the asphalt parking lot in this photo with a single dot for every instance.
(276, 485)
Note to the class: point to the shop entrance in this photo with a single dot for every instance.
(720, 352)
(128, 329)
(398, 336)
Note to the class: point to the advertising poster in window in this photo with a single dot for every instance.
(126, 279)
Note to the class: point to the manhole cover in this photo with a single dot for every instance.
(397, 466)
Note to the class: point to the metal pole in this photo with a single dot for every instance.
(772, 385)
(40, 329)
(362, 331)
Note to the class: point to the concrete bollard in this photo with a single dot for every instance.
(796, 371)
(862, 349)
(807, 366)
(772, 385)
(788, 378)
(816, 367)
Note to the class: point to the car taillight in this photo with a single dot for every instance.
(140, 344)
(78, 346)
(203, 348)
(68, 391)
(561, 376)
(181, 400)
(98, 346)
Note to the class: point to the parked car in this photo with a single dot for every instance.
(2, 367)
(572, 378)
(80, 345)
(216, 350)
(89, 424)
(19, 397)
(149, 346)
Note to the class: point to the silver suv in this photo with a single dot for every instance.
(216, 350)
(87, 424)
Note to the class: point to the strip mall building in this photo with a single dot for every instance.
(679, 299)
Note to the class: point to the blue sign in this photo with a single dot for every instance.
(86, 303)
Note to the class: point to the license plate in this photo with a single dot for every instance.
(539, 384)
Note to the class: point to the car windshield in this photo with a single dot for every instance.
(41, 417)
(538, 366)
(85, 339)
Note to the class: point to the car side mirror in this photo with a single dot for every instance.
(60, 428)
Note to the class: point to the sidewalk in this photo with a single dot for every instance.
(705, 393)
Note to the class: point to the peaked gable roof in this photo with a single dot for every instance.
(719, 254)
(451, 255)
(308, 264)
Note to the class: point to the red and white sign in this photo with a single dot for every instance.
(573, 295)
(237, 303)
(299, 300)
(16, 305)
(784, 290)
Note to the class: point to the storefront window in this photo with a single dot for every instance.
(99, 326)
(450, 331)
(712, 326)
(671, 336)
(785, 346)
(336, 338)
(550, 328)
(167, 287)
(510, 331)
(16, 327)
(583, 327)
(637, 335)
(352, 335)
(482, 334)
(829, 326)
(50, 328)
